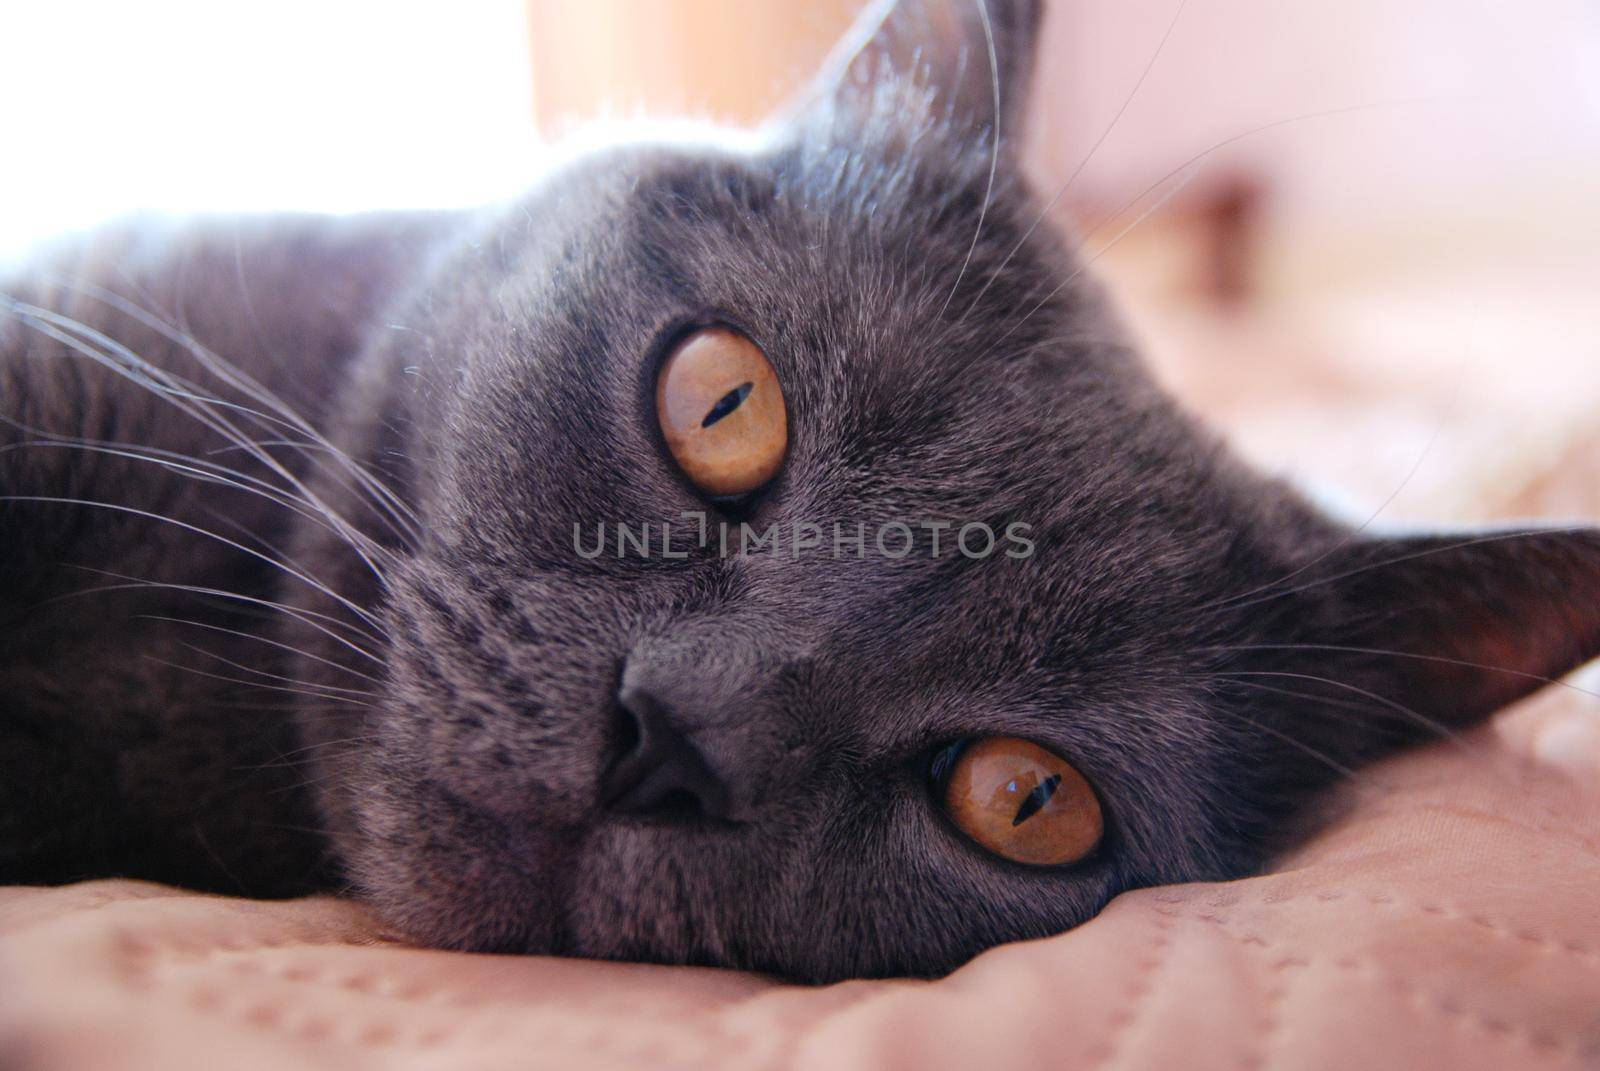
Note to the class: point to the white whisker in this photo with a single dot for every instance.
(994, 152)
(1387, 653)
(257, 684)
(175, 390)
(310, 618)
(1061, 191)
(302, 577)
(1402, 558)
(332, 691)
(252, 388)
(269, 642)
(1443, 731)
(1187, 165)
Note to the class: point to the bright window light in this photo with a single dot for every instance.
(214, 105)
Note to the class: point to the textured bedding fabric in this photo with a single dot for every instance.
(1448, 917)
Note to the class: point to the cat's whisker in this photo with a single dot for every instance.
(1061, 191)
(1319, 701)
(288, 706)
(350, 700)
(1188, 165)
(254, 538)
(310, 618)
(176, 391)
(391, 502)
(162, 388)
(303, 446)
(330, 691)
(268, 641)
(375, 548)
(317, 585)
(181, 464)
(292, 828)
(343, 781)
(258, 447)
(1386, 653)
(994, 152)
(1299, 745)
(1415, 717)
(1355, 534)
(197, 469)
(1177, 187)
(283, 758)
(1055, 342)
(1493, 537)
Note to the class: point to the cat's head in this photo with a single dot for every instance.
(756, 759)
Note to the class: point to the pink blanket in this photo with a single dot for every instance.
(1449, 917)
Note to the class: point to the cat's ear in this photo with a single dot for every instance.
(921, 62)
(1449, 627)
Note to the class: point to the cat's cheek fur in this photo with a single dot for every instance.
(475, 777)
(447, 875)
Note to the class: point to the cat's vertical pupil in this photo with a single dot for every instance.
(727, 404)
(1037, 799)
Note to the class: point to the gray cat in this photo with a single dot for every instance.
(771, 557)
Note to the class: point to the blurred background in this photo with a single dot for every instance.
(1361, 235)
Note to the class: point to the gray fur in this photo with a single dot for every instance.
(495, 369)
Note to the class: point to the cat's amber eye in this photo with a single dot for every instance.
(1019, 801)
(722, 413)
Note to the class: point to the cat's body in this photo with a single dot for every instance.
(169, 774)
(432, 716)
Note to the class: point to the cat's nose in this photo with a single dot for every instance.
(659, 771)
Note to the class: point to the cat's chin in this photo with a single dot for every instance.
(443, 873)
(496, 909)
(449, 875)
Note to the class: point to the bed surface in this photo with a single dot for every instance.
(1449, 917)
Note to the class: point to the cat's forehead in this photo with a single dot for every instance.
(898, 322)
